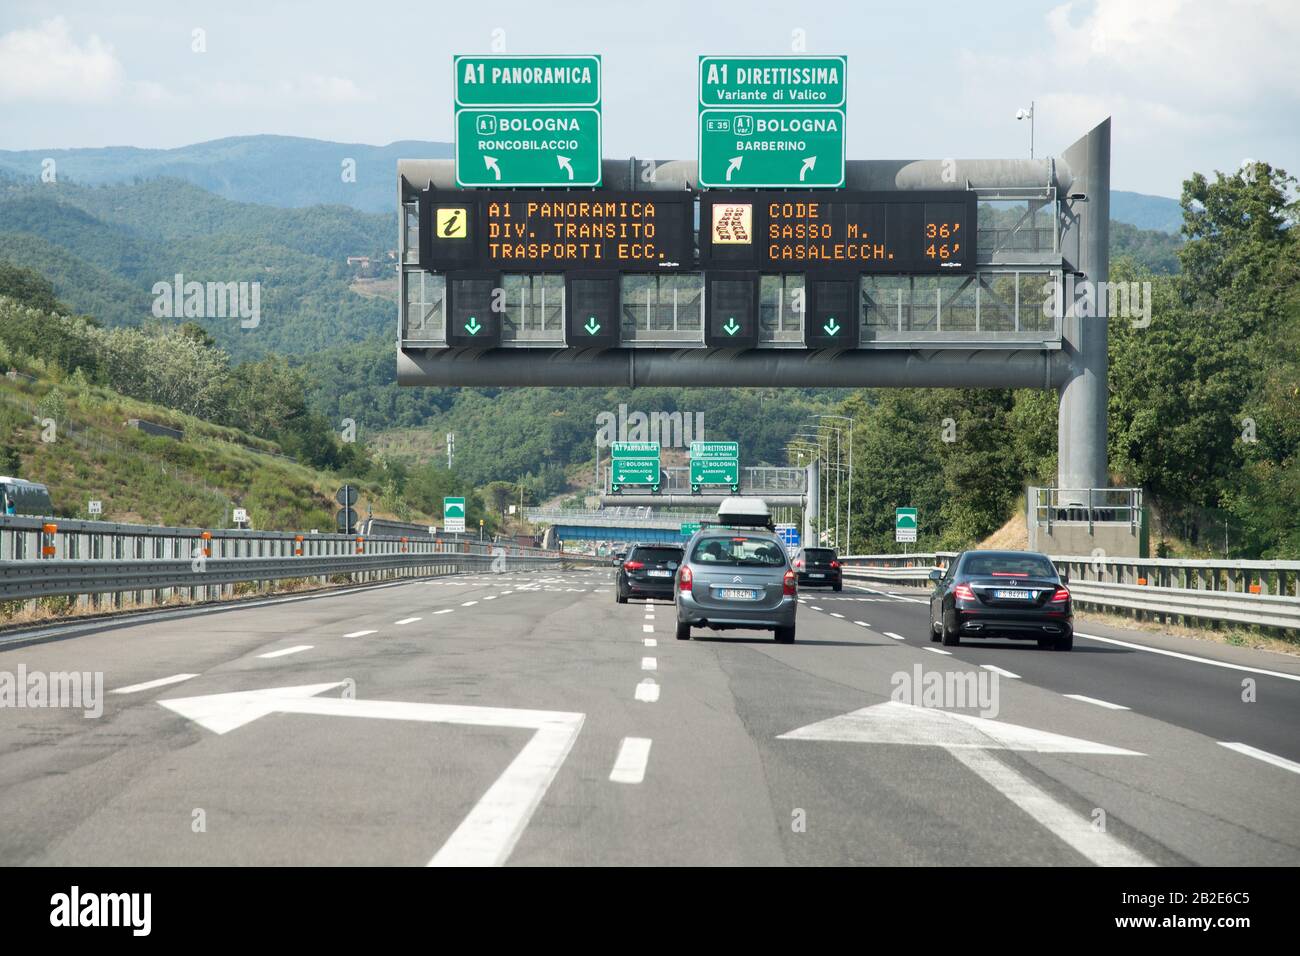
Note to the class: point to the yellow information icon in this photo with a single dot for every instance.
(453, 222)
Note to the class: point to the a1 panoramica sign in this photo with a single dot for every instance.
(527, 120)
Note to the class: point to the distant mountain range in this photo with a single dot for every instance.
(292, 171)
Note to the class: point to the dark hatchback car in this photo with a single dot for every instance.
(819, 568)
(1001, 594)
(647, 571)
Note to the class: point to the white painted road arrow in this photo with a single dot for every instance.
(969, 739)
(488, 835)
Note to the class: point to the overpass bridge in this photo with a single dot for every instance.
(613, 524)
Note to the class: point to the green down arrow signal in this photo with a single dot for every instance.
(832, 327)
(592, 325)
(473, 326)
(731, 328)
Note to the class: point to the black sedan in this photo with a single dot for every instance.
(647, 571)
(819, 567)
(1003, 594)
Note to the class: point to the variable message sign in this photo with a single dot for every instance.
(527, 120)
(771, 121)
(530, 231)
(844, 232)
(715, 463)
(634, 463)
(453, 514)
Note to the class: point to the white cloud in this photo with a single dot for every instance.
(47, 64)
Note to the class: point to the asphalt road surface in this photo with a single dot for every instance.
(526, 718)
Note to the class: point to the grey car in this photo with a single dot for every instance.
(736, 578)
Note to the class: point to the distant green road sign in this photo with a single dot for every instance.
(634, 463)
(505, 80)
(771, 148)
(772, 121)
(715, 463)
(527, 120)
(453, 514)
(557, 146)
(689, 528)
(905, 524)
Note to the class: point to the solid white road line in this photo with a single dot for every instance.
(407, 620)
(629, 765)
(647, 691)
(935, 650)
(446, 610)
(359, 633)
(287, 651)
(1098, 847)
(1000, 671)
(1263, 755)
(651, 642)
(649, 664)
(900, 637)
(151, 684)
(1189, 657)
(648, 628)
(1093, 700)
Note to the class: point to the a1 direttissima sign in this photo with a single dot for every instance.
(543, 231)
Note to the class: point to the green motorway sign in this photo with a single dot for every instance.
(905, 524)
(715, 463)
(527, 121)
(773, 122)
(689, 528)
(634, 463)
(527, 80)
(453, 514)
(528, 147)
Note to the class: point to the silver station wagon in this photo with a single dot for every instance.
(736, 574)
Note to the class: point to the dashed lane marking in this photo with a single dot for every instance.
(649, 664)
(359, 633)
(1093, 700)
(151, 684)
(630, 764)
(1263, 755)
(647, 691)
(285, 652)
(1000, 672)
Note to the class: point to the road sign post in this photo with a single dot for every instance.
(715, 463)
(634, 463)
(453, 514)
(527, 120)
(771, 121)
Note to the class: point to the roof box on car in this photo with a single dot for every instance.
(744, 513)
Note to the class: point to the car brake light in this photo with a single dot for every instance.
(634, 565)
(963, 592)
(1061, 595)
(835, 564)
(684, 581)
(788, 585)
(799, 563)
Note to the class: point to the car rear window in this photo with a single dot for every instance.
(739, 550)
(657, 555)
(819, 554)
(1008, 565)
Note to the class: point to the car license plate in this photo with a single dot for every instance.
(660, 574)
(1014, 595)
(738, 594)
(817, 575)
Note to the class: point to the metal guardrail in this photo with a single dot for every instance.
(1260, 593)
(105, 562)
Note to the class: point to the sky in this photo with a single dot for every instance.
(1190, 85)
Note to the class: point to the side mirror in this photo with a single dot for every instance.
(936, 575)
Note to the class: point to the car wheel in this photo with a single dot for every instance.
(839, 587)
(619, 596)
(934, 635)
(1046, 643)
(950, 636)
(1065, 643)
(785, 635)
(683, 631)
